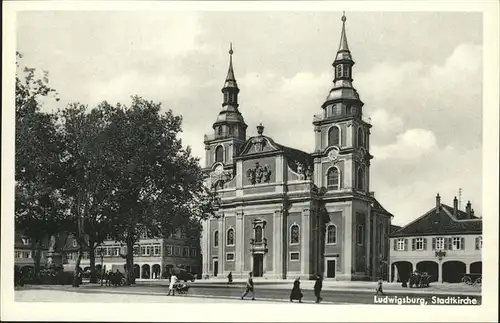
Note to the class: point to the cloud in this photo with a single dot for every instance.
(424, 99)
(412, 144)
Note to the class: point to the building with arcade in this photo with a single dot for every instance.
(285, 213)
(445, 242)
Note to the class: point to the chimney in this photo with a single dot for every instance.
(468, 208)
(455, 206)
(438, 202)
(472, 213)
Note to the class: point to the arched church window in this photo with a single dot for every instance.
(294, 234)
(333, 178)
(230, 237)
(331, 234)
(361, 137)
(216, 238)
(226, 97)
(258, 234)
(334, 136)
(360, 178)
(219, 154)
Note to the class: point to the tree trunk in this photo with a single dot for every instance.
(93, 276)
(130, 263)
(37, 254)
(76, 274)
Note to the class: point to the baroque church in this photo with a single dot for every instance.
(284, 213)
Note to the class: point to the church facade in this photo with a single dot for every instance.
(284, 213)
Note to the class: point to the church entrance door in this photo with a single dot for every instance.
(216, 267)
(258, 265)
(330, 268)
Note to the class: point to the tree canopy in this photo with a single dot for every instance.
(110, 171)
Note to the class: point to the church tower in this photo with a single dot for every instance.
(341, 132)
(229, 128)
(342, 172)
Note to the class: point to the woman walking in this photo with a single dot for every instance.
(171, 287)
(296, 293)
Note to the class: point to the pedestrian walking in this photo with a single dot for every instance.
(249, 287)
(230, 278)
(379, 287)
(296, 293)
(318, 285)
(109, 277)
(171, 287)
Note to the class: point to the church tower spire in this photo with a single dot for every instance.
(230, 89)
(229, 127)
(343, 63)
(342, 135)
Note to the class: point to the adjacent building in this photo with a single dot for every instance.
(285, 213)
(153, 257)
(445, 242)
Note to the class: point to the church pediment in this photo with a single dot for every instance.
(259, 144)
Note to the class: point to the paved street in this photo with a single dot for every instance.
(206, 293)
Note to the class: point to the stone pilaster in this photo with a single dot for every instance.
(370, 237)
(348, 243)
(317, 138)
(220, 248)
(205, 246)
(305, 243)
(350, 129)
(278, 244)
(240, 244)
(207, 156)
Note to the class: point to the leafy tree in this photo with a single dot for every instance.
(159, 185)
(89, 182)
(39, 208)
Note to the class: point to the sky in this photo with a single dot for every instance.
(418, 73)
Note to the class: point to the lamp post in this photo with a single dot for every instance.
(102, 266)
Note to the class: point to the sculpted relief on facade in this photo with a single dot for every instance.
(259, 174)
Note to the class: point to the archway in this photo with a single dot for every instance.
(403, 268)
(453, 271)
(476, 268)
(146, 273)
(430, 267)
(86, 269)
(137, 269)
(28, 272)
(156, 271)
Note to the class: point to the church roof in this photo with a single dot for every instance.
(394, 228)
(441, 222)
(376, 206)
(296, 155)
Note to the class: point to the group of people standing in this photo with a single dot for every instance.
(295, 294)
